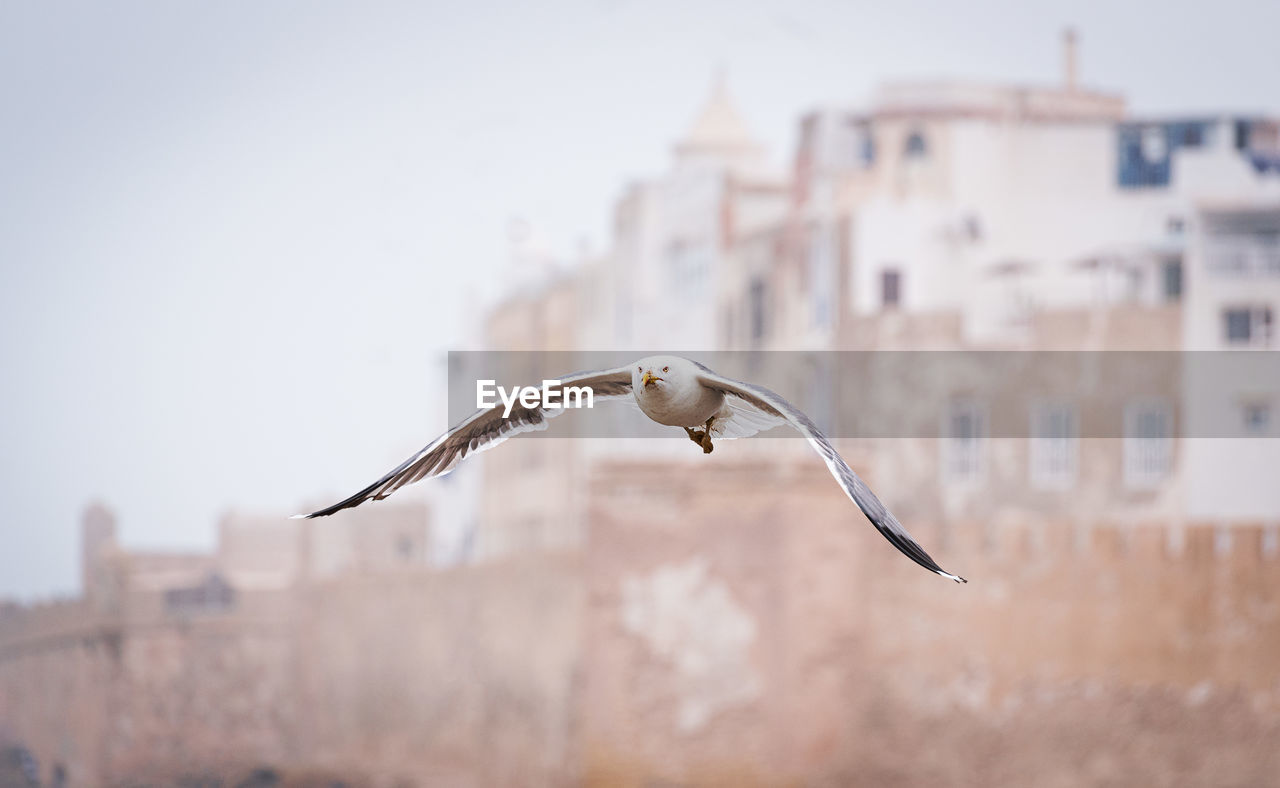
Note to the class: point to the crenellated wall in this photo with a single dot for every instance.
(1092, 637)
(461, 676)
(738, 625)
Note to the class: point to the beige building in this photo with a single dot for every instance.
(673, 233)
(943, 216)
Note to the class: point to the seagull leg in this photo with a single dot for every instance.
(700, 437)
(705, 442)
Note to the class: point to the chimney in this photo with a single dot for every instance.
(1069, 58)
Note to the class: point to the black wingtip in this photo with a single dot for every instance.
(915, 552)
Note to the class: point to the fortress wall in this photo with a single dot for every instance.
(43, 625)
(721, 642)
(459, 677)
(54, 698)
(1132, 604)
(1090, 636)
(143, 693)
(742, 625)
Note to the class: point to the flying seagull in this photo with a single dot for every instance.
(672, 391)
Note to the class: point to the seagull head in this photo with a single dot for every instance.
(656, 373)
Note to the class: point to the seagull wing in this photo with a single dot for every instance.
(770, 404)
(479, 432)
(741, 419)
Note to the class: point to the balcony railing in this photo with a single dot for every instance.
(1242, 260)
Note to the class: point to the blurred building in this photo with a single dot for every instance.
(302, 652)
(527, 499)
(673, 234)
(1232, 294)
(952, 216)
(957, 217)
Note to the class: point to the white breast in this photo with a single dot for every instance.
(688, 405)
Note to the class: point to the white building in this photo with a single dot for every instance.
(951, 216)
(671, 234)
(1232, 386)
(999, 200)
(985, 213)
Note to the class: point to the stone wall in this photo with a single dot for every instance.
(462, 677)
(763, 632)
(739, 625)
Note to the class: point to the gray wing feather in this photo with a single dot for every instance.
(744, 420)
(771, 404)
(479, 432)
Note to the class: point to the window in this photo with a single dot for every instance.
(1269, 259)
(964, 443)
(1054, 445)
(916, 147)
(1237, 324)
(1146, 150)
(1247, 326)
(890, 288)
(1256, 417)
(1228, 261)
(1242, 129)
(1240, 258)
(862, 144)
(1171, 274)
(867, 148)
(213, 595)
(1148, 443)
(1189, 135)
(1142, 158)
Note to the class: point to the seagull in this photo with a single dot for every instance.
(674, 392)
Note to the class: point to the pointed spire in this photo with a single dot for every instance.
(718, 128)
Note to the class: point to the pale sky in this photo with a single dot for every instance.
(236, 238)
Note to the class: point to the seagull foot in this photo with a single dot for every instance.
(705, 440)
(700, 437)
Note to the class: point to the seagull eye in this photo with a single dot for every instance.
(639, 370)
(664, 369)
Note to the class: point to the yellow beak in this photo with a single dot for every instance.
(647, 378)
